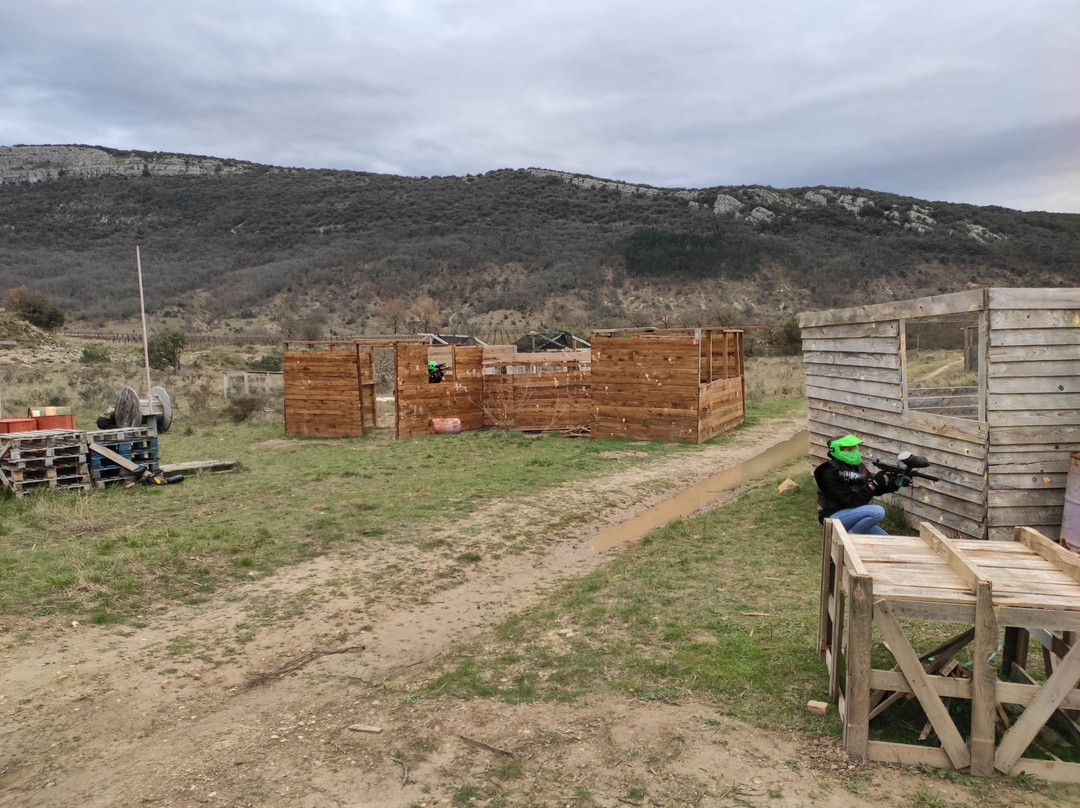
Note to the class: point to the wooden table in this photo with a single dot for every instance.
(1030, 587)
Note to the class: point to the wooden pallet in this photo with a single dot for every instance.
(44, 459)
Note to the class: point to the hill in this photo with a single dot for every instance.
(231, 245)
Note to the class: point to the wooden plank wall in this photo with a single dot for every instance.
(722, 406)
(646, 387)
(854, 383)
(323, 395)
(1033, 406)
(540, 391)
(459, 395)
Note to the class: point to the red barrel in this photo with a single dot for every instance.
(1070, 517)
(446, 426)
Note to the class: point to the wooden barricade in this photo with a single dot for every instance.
(458, 395)
(329, 389)
(537, 392)
(681, 385)
(1029, 587)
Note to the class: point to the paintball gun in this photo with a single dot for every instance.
(911, 464)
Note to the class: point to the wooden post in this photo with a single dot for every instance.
(836, 618)
(824, 637)
(984, 684)
(360, 388)
(710, 378)
(857, 686)
(1015, 652)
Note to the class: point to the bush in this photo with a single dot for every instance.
(266, 362)
(95, 353)
(35, 308)
(243, 407)
(165, 351)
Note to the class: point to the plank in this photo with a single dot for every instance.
(1059, 336)
(968, 572)
(1062, 559)
(934, 306)
(1036, 418)
(1021, 368)
(1023, 731)
(1031, 400)
(1032, 298)
(1030, 353)
(856, 733)
(846, 359)
(884, 328)
(1050, 317)
(984, 678)
(816, 394)
(834, 371)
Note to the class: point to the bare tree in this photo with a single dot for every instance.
(393, 312)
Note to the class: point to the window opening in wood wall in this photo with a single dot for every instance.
(941, 365)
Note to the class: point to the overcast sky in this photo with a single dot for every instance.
(960, 100)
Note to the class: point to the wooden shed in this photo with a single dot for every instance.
(1000, 441)
(681, 384)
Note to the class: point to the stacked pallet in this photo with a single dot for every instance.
(137, 444)
(48, 458)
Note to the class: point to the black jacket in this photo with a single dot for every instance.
(842, 486)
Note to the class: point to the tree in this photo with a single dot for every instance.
(393, 312)
(35, 308)
(165, 351)
(426, 313)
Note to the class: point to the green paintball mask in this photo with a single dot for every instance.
(846, 450)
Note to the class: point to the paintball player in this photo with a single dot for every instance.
(846, 486)
(435, 372)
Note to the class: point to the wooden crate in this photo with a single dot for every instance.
(1029, 587)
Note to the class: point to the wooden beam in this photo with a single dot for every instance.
(1027, 726)
(1067, 562)
(857, 686)
(984, 678)
(935, 709)
(970, 574)
(851, 553)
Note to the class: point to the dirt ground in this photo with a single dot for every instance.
(314, 711)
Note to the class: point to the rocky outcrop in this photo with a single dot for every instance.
(726, 205)
(20, 164)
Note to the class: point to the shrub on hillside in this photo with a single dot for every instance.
(94, 353)
(166, 349)
(34, 307)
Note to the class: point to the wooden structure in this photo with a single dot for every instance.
(1029, 587)
(458, 395)
(329, 387)
(538, 391)
(1003, 464)
(681, 384)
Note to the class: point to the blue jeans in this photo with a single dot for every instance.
(863, 519)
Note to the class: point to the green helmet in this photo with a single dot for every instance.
(432, 365)
(846, 450)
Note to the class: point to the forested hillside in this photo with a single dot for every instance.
(258, 245)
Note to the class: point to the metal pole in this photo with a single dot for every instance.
(142, 310)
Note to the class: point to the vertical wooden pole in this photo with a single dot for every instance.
(836, 618)
(710, 378)
(984, 684)
(359, 386)
(857, 686)
(824, 638)
(1015, 652)
(142, 312)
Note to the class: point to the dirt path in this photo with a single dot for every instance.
(103, 717)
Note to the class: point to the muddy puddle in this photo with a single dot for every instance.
(701, 495)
